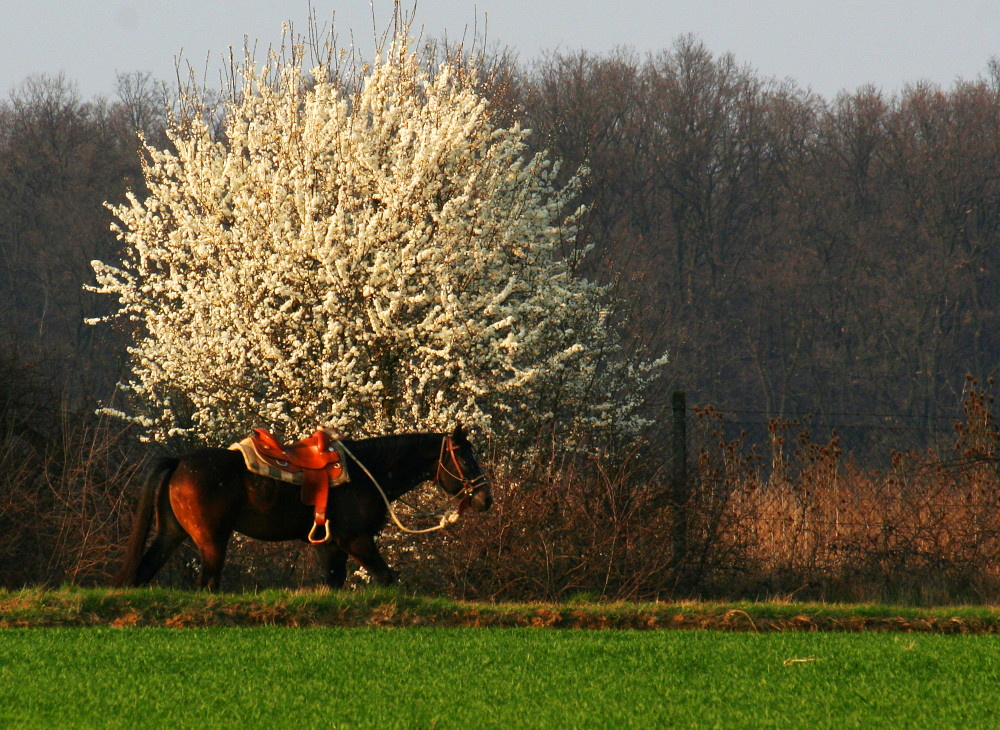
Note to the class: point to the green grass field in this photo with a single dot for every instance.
(510, 678)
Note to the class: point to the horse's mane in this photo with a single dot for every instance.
(394, 444)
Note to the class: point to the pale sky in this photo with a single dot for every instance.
(827, 46)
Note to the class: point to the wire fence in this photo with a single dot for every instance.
(856, 499)
(873, 440)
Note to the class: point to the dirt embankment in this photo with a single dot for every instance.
(181, 609)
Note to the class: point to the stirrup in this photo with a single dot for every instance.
(315, 541)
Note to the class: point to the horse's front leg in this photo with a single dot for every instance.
(364, 551)
(334, 562)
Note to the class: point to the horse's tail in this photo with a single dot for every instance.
(158, 477)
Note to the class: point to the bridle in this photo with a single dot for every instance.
(468, 485)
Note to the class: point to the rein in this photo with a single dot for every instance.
(448, 517)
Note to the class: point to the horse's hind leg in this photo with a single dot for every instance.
(213, 555)
(169, 535)
(156, 555)
(205, 498)
(210, 536)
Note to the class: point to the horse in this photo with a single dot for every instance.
(209, 494)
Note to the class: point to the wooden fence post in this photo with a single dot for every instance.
(679, 493)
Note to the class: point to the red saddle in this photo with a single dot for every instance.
(318, 459)
(318, 451)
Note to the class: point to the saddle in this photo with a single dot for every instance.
(316, 463)
(318, 451)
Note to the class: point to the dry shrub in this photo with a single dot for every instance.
(588, 525)
(64, 516)
(815, 524)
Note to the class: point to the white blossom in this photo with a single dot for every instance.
(382, 260)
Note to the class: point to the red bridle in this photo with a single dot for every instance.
(468, 485)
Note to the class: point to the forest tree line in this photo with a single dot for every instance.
(793, 254)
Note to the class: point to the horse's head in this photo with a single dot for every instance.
(459, 474)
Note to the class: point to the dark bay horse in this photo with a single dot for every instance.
(209, 494)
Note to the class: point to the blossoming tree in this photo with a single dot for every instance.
(381, 259)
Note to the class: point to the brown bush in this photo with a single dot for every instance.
(64, 503)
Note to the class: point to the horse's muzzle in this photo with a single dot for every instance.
(481, 499)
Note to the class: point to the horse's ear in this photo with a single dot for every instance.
(459, 433)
